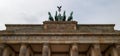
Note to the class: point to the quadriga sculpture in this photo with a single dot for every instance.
(59, 17)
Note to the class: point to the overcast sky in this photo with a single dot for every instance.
(36, 11)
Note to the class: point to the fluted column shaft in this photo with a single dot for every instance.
(115, 50)
(29, 52)
(74, 50)
(95, 50)
(46, 50)
(118, 49)
(23, 50)
(1, 49)
(6, 52)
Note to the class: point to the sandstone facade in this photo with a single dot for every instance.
(60, 38)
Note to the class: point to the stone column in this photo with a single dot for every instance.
(46, 50)
(118, 49)
(13, 54)
(1, 49)
(29, 52)
(6, 52)
(95, 50)
(74, 50)
(115, 50)
(23, 50)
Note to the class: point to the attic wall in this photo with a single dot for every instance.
(96, 27)
(63, 26)
(20, 26)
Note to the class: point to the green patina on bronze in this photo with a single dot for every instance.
(59, 17)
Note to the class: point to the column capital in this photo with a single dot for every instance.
(75, 47)
(46, 50)
(45, 44)
(95, 45)
(74, 50)
(24, 44)
(74, 44)
(95, 50)
(117, 45)
(3, 46)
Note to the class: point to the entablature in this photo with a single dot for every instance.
(60, 39)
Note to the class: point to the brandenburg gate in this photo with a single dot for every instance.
(63, 38)
(58, 37)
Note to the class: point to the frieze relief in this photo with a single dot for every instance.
(60, 39)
